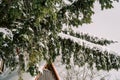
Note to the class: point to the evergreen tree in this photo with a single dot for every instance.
(33, 30)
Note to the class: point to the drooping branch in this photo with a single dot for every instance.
(84, 53)
(90, 38)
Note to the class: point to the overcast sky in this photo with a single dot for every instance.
(106, 24)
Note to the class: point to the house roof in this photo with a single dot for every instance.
(48, 68)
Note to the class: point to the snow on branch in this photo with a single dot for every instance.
(86, 43)
(88, 37)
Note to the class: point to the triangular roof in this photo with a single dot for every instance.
(51, 68)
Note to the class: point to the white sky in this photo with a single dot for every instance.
(105, 24)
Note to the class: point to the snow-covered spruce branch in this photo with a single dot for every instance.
(88, 37)
(87, 52)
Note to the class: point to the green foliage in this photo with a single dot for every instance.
(93, 56)
(90, 38)
(34, 26)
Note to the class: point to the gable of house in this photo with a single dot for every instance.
(49, 73)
